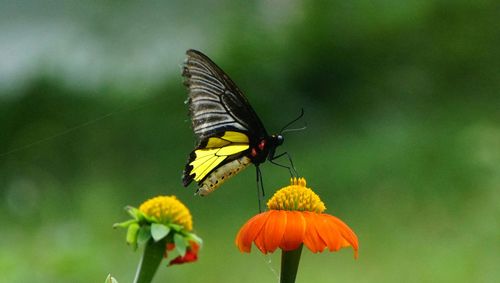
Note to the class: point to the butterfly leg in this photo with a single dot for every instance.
(260, 188)
(291, 168)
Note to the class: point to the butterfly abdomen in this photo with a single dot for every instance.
(221, 174)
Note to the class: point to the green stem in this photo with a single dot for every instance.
(289, 265)
(151, 258)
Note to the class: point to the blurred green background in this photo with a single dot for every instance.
(402, 104)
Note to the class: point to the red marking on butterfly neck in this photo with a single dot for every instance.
(254, 152)
(262, 144)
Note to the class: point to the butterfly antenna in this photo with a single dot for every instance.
(294, 130)
(293, 121)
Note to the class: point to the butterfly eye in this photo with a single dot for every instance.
(280, 139)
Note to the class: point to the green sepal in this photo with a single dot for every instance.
(149, 219)
(194, 237)
(159, 231)
(134, 212)
(176, 227)
(144, 235)
(132, 232)
(180, 244)
(124, 224)
(110, 279)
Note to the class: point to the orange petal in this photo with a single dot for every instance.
(311, 239)
(349, 237)
(259, 242)
(244, 245)
(249, 231)
(346, 231)
(274, 229)
(329, 232)
(194, 246)
(294, 231)
(170, 246)
(260, 237)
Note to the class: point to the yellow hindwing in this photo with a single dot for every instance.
(228, 138)
(216, 151)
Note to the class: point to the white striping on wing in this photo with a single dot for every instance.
(195, 72)
(203, 96)
(203, 105)
(209, 127)
(202, 88)
(197, 80)
(204, 114)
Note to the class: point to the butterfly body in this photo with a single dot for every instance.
(230, 134)
(265, 148)
(220, 175)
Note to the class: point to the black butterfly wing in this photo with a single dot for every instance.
(215, 102)
(223, 121)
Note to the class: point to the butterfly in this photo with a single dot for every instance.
(230, 134)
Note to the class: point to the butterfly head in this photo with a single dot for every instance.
(278, 139)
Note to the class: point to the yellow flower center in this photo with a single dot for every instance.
(296, 197)
(168, 209)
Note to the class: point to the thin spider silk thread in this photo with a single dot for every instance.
(72, 129)
(268, 260)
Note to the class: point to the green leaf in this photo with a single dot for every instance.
(110, 279)
(159, 231)
(132, 231)
(180, 244)
(144, 235)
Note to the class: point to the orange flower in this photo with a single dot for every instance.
(296, 217)
(190, 256)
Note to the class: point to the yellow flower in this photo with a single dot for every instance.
(166, 210)
(166, 221)
(296, 197)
